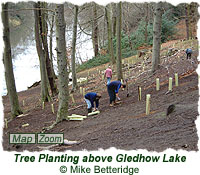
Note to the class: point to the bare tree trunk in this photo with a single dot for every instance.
(104, 31)
(95, 30)
(187, 21)
(63, 96)
(189, 10)
(109, 33)
(114, 19)
(44, 33)
(157, 36)
(195, 18)
(41, 54)
(73, 59)
(51, 45)
(7, 60)
(118, 45)
(146, 22)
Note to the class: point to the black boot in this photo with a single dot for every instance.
(89, 110)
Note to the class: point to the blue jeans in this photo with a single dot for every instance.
(108, 80)
(89, 105)
(112, 95)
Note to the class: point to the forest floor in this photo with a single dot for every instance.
(125, 126)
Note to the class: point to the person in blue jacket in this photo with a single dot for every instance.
(90, 98)
(113, 89)
(189, 53)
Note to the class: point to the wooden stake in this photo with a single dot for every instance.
(88, 73)
(170, 84)
(25, 125)
(93, 113)
(43, 105)
(71, 95)
(157, 84)
(148, 104)
(76, 118)
(81, 90)
(139, 93)
(52, 108)
(176, 79)
(23, 103)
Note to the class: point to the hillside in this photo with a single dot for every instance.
(125, 126)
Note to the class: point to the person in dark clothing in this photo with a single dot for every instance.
(189, 53)
(113, 89)
(90, 98)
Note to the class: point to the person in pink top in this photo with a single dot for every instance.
(108, 74)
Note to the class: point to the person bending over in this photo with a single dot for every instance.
(90, 98)
(189, 53)
(113, 89)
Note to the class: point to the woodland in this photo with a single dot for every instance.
(145, 45)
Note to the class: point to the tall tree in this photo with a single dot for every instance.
(95, 30)
(41, 54)
(73, 59)
(108, 14)
(192, 17)
(114, 19)
(7, 60)
(51, 43)
(44, 33)
(156, 37)
(146, 22)
(63, 96)
(187, 21)
(118, 44)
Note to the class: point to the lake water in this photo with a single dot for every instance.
(26, 65)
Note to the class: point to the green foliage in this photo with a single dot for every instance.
(130, 44)
(168, 30)
(168, 26)
(95, 61)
